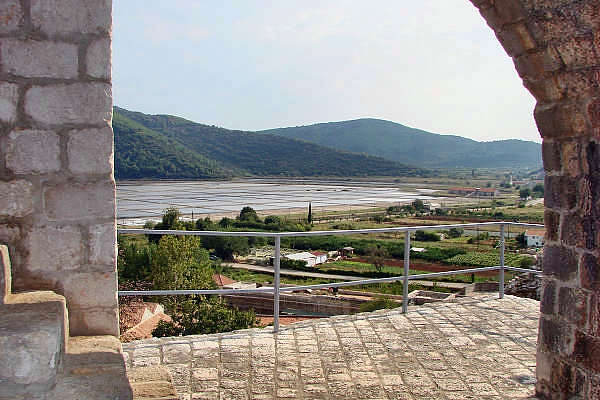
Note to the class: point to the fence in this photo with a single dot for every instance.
(276, 289)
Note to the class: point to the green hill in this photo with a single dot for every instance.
(414, 146)
(143, 153)
(163, 146)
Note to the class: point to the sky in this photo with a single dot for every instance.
(261, 64)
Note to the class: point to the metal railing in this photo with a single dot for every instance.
(276, 289)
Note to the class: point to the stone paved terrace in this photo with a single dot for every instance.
(471, 348)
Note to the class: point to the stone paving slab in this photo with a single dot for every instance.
(471, 348)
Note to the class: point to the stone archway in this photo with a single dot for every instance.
(555, 46)
(57, 190)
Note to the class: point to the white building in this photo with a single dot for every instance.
(535, 237)
(321, 257)
(305, 256)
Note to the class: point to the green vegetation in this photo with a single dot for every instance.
(204, 316)
(489, 259)
(162, 146)
(143, 153)
(379, 304)
(179, 262)
(416, 147)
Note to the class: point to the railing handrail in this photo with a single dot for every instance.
(321, 233)
(276, 288)
(270, 289)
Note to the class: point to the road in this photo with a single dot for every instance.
(305, 274)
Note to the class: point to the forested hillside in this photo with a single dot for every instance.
(142, 153)
(414, 146)
(155, 146)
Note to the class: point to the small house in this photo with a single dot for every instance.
(307, 257)
(347, 251)
(321, 257)
(535, 237)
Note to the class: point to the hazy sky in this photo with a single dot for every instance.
(259, 64)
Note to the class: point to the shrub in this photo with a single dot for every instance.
(379, 304)
(423, 236)
(201, 316)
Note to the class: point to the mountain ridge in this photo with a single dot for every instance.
(406, 144)
(225, 153)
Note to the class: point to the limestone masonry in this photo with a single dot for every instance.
(57, 201)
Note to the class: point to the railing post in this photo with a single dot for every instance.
(276, 284)
(501, 277)
(406, 268)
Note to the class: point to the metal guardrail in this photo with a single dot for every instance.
(276, 289)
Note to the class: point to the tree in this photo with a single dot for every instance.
(423, 236)
(229, 247)
(524, 193)
(225, 222)
(418, 205)
(538, 190)
(309, 218)
(170, 221)
(205, 224)
(376, 255)
(248, 214)
(455, 232)
(180, 262)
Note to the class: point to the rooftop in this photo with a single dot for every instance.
(471, 348)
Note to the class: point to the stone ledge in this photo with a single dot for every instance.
(152, 383)
(34, 325)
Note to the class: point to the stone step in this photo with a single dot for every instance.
(33, 331)
(94, 369)
(152, 383)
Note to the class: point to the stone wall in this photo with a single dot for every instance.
(57, 192)
(555, 45)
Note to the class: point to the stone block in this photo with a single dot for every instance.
(94, 321)
(78, 201)
(11, 15)
(539, 64)
(9, 97)
(560, 262)
(33, 152)
(177, 353)
(510, 11)
(555, 337)
(589, 272)
(544, 90)
(16, 198)
(5, 274)
(551, 222)
(63, 17)
(99, 59)
(54, 248)
(516, 39)
(90, 151)
(103, 244)
(560, 192)
(39, 59)
(578, 52)
(548, 297)
(560, 120)
(587, 352)
(571, 153)
(572, 306)
(34, 332)
(551, 155)
(567, 379)
(91, 289)
(572, 230)
(77, 103)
